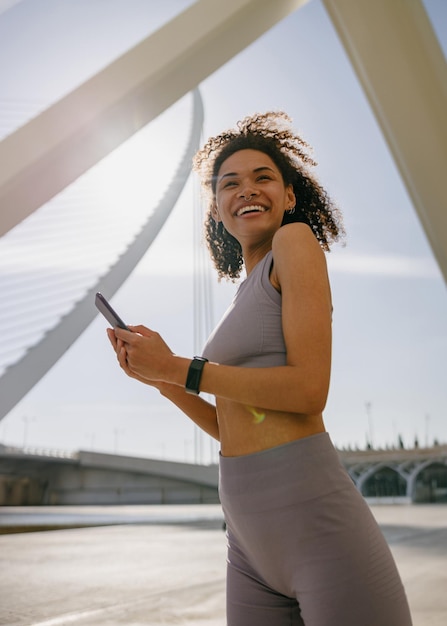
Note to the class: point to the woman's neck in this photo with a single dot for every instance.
(254, 254)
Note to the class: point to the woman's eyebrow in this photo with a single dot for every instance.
(255, 171)
(227, 175)
(263, 167)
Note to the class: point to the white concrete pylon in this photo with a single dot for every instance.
(402, 69)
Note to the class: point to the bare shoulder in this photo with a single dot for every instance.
(295, 242)
(299, 263)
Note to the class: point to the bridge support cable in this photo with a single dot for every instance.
(203, 309)
(20, 377)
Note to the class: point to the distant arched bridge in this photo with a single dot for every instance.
(416, 475)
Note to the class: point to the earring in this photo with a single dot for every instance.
(291, 210)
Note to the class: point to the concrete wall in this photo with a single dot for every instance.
(102, 486)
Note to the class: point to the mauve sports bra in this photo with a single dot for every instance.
(250, 332)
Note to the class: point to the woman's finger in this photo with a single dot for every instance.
(142, 330)
(112, 338)
(122, 358)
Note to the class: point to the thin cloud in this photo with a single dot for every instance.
(391, 266)
(7, 4)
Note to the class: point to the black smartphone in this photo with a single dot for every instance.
(111, 316)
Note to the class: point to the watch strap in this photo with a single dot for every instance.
(195, 370)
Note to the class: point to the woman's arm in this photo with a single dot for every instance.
(301, 386)
(197, 409)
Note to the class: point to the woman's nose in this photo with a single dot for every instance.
(247, 193)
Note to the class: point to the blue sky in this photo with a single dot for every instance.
(390, 302)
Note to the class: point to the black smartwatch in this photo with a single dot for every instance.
(194, 375)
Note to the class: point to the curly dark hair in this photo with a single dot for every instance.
(272, 134)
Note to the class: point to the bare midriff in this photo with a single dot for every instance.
(245, 430)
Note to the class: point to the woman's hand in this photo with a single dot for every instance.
(141, 353)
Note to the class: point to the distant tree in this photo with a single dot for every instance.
(416, 442)
(401, 443)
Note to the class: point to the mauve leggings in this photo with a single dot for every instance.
(303, 546)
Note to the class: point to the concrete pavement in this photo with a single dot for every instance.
(166, 565)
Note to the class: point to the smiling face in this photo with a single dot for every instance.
(251, 197)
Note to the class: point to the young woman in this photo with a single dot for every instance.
(303, 547)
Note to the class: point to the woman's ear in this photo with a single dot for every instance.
(215, 212)
(291, 198)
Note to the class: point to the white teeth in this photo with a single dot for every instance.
(251, 209)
